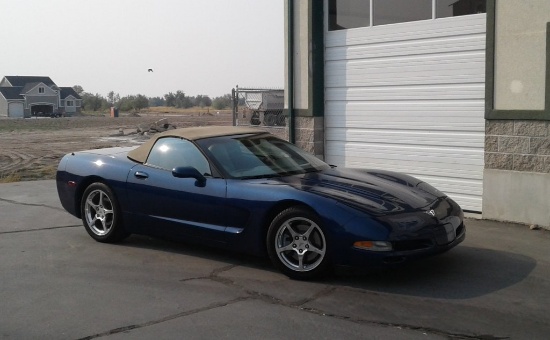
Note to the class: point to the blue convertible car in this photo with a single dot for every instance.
(244, 189)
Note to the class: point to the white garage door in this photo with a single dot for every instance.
(16, 110)
(410, 98)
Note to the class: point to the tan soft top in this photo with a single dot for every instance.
(141, 153)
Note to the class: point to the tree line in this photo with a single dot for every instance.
(95, 102)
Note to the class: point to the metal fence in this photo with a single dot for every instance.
(258, 107)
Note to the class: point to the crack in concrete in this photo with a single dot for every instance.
(326, 291)
(298, 305)
(427, 330)
(30, 204)
(39, 229)
(323, 292)
(164, 319)
(213, 275)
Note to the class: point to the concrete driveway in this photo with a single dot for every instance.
(57, 283)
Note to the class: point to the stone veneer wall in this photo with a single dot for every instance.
(517, 145)
(310, 135)
(281, 132)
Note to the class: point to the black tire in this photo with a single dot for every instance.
(298, 245)
(101, 214)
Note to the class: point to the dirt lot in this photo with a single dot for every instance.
(30, 149)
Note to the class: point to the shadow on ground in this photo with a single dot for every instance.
(463, 273)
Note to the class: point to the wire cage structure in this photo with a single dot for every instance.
(258, 106)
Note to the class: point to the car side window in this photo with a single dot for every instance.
(170, 152)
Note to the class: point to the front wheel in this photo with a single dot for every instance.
(101, 214)
(297, 244)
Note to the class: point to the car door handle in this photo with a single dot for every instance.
(141, 175)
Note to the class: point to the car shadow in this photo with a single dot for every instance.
(462, 273)
(193, 249)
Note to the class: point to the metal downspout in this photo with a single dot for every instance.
(290, 71)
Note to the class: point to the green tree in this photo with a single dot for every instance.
(170, 99)
(133, 103)
(202, 100)
(156, 101)
(78, 89)
(113, 98)
(220, 103)
(125, 103)
(93, 102)
(181, 100)
(140, 102)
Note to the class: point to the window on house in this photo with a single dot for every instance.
(69, 103)
(40, 90)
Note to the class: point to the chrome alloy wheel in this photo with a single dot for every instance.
(300, 244)
(99, 212)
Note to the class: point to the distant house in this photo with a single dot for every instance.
(24, 96)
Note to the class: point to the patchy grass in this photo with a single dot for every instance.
(189, 111)
(34, 124)
(11, 177)
(104, 113)
(29, 174)
(160, 110)
(40, 172)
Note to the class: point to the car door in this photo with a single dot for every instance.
(163, 204)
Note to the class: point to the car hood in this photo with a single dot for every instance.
(376, 192)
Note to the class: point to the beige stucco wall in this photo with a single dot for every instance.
(520, 54)
(516, 180)
(516, 197)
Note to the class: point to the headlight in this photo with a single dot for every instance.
(373, 245)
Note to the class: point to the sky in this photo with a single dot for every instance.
(196, 46)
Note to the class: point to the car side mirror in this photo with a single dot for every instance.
(189, 172)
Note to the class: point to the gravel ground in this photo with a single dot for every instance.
(31, 148)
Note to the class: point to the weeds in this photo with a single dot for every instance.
(11, 177)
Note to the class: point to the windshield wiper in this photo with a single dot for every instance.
(310, 170)
(260, 176)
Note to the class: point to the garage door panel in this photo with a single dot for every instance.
(409, 48)
(415, 138)
(447, 158)
(414, 76)
(415, 70)
(448, 123)
(408, 63)
(417, 30)
(410, 98)
(463, 160)
(432, 93)
(412, 107)
(461, 178)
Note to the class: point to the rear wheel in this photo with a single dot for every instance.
(297, 244)
(101, 214)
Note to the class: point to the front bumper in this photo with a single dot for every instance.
(405, 251)
(430, 231)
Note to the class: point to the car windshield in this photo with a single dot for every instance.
(259, 156)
